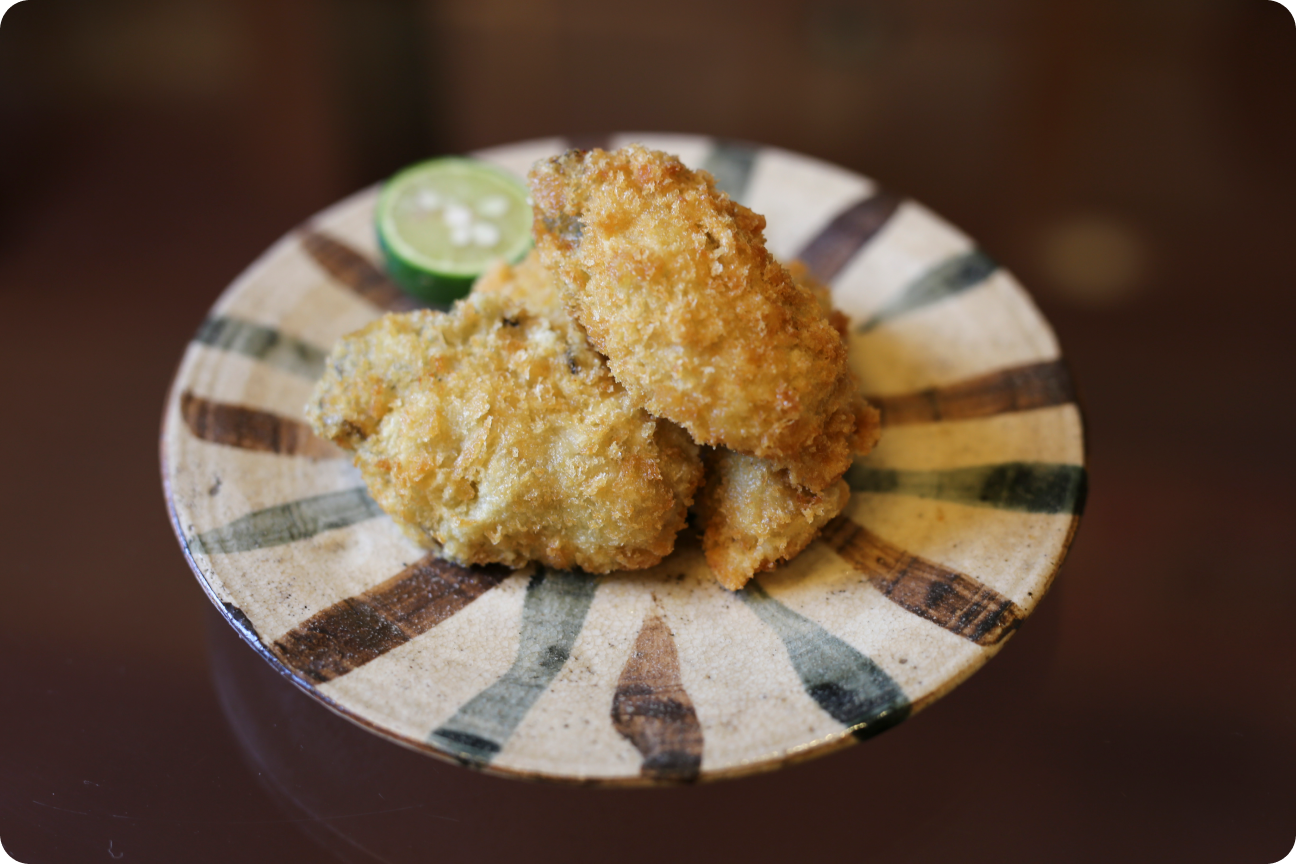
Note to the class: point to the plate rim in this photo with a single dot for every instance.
(796, 755)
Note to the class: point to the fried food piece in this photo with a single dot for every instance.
(751, 514)
(672, 282)
(802, 276)
(528, 283)
(754, 517)
(491, 434)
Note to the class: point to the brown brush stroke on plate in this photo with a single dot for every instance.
(356, 272)
(251, 429)
(355, 631)
(828, 252)
(652, 710)
(1019, 388)
(950, 599)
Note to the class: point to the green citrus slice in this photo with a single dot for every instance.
(441, 223)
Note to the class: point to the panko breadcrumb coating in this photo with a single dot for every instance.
(528, 283)
(672, 282)
(802, 276)
(753, 517)
(493, 434)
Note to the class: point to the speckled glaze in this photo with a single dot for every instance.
(958, 522)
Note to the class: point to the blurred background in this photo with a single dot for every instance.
(1129, 160)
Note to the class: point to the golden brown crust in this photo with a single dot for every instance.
(528, 283)
(493, 434)
(802, 276)
(754, 517)
(672, 282)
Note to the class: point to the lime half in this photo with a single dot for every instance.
(441, 223)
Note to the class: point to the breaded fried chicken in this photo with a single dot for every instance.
(671, 281)
(493, 434)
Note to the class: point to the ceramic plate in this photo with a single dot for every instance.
(957, 524)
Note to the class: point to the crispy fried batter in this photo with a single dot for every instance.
(672, 282)
(754, 517)
(802, 276)
(492, 434)
(528, 283)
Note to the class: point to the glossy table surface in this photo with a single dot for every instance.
(1146, 711)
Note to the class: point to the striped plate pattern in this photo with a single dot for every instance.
(958, 522)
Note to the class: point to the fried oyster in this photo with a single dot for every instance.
(751, 514)
(496, 434)
(672, 282)
(531, 285)
(753, 517)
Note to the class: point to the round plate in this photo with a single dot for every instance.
(957, 524)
